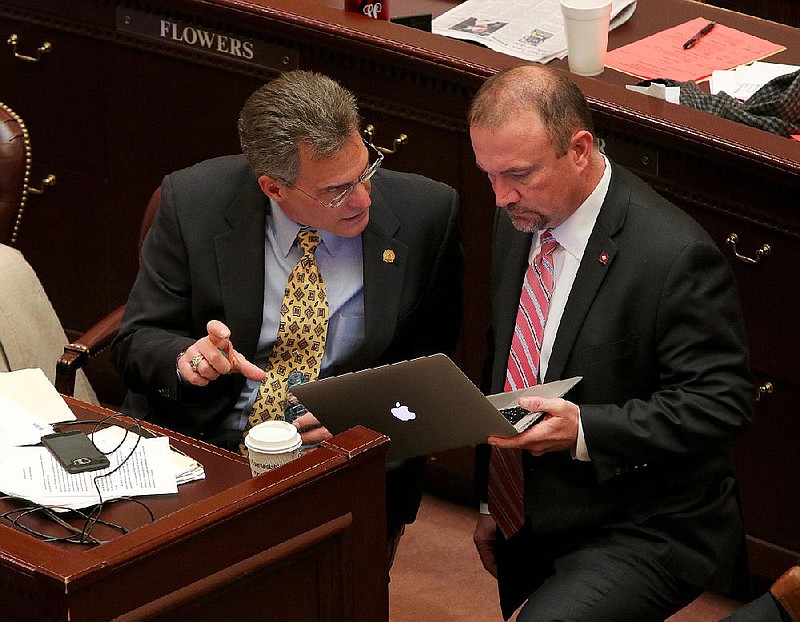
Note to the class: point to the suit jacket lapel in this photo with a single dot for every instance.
(597, 259)
(240, 261)
(385, 259)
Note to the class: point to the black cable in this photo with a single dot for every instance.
(91, 516)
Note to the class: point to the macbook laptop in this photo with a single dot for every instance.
(424, 405)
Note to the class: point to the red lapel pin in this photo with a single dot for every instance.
(603, 258)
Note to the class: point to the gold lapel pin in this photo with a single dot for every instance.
(388, 256)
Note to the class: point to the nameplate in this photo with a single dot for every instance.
(209, 41)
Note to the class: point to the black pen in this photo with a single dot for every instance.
(703, 32)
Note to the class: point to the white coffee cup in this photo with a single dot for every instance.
(586, 27)
(271, 444)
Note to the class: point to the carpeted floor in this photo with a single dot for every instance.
(437, 574)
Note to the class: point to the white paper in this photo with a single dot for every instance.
(529, 29)
(659, 91)
(186, 469)
(33, 473)
(19, 426)
(742, 82)
(31, 389)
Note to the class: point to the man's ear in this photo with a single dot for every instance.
(581, 147)
(273, 188)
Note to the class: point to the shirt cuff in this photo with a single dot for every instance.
(483, 508)
(581, 450)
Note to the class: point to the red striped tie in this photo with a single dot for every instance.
(506, 502)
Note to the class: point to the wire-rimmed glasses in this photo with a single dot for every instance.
(345, 194)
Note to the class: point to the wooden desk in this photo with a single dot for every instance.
(306, 541)
(783, 11)
(132, 106)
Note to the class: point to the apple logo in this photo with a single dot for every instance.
(403, 413)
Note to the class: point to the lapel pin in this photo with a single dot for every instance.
(388, 256)
(603, 258)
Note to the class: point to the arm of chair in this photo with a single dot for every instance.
(78, 353)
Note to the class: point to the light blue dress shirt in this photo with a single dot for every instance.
(340, 263)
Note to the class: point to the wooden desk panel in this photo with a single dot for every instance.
(307, 539)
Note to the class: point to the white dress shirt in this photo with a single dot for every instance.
(572, 235)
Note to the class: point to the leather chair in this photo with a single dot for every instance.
(31, 334)
(99, 337)
(15, 161)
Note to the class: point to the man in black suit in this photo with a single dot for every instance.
(630, 499)
(203, 314)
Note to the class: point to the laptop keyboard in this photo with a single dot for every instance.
(520, 417)
(514, 413)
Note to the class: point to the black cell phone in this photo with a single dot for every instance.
(75, 451)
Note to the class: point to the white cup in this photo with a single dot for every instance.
(271, 444)
(586, 27)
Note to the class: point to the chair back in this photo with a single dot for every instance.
(149, 215)
(15, 163)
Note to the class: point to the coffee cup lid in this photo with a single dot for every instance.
(273, 437)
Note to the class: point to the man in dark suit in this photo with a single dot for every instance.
(630, 500)
(203, 314)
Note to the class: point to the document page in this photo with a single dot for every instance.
(146, 469)
(663, 55)
(529, 29)
(31, 389)
(19, 426)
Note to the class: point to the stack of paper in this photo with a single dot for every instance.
(185, 468)
(29, 404)
(32, 473)
(529, 29)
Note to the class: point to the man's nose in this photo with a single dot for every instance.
(360, 196)
(504, 193)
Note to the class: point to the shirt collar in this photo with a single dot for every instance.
(286, 230)
(573, 234)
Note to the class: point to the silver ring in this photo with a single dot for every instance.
(195, 361)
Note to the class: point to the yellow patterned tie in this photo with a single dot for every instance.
(301, 334)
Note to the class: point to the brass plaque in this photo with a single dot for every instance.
(201, 39)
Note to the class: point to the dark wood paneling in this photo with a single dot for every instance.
(783, 11)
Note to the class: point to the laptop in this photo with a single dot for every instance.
(424, 405)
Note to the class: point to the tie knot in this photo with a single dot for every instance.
(308, 239)
(547, 242)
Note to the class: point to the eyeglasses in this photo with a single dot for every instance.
(345, 194)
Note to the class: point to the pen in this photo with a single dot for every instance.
(703, 32)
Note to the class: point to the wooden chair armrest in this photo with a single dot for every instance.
(78, 353)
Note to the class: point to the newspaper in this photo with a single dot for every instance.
(528, 29)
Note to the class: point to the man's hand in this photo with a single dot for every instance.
(484, 538)
(311, 431)
(558, 431)
(214, 356)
